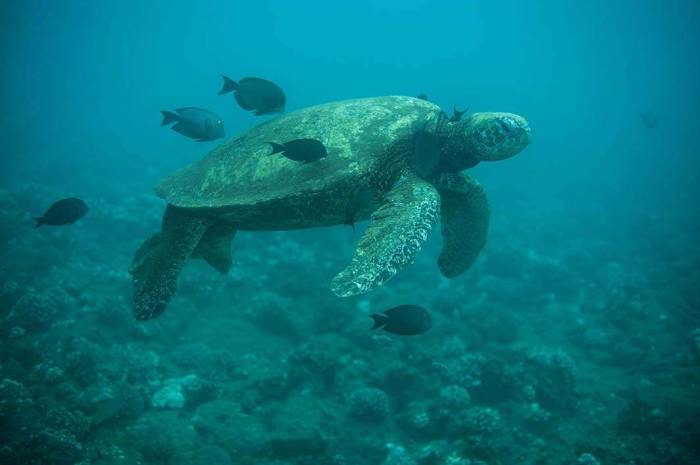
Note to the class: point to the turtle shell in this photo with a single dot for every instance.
(242, 171)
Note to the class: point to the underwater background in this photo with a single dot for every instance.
(574, 339)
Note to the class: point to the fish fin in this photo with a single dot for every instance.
(229, 85)
(379, 320)
(169, 117)
(181, 129)
(39, 221)
(458, 114)
(277, 148)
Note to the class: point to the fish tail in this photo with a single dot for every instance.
(229, 85)
(379, 320)
(39, 221)
(169, 117)
(277, 148)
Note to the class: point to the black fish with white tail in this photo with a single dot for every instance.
(196, 123)
(257, 95)
(404, 320)
(302, 150)
(64, 212)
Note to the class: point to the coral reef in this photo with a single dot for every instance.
(544, 354)
(369, 404)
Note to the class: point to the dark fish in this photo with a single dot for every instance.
(303, 150)
(404, 320)
(457, 115)
(255, 94)
(649, 119)
(195, 123)
(422, 97)
(66, 211)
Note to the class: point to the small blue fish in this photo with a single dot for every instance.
(195, 123)
(649, 119)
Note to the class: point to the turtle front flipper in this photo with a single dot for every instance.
(399, 228)
(465, 213)
(157, 263)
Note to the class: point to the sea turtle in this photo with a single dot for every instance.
(396, 161)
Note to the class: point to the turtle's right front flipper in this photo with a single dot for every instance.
(157, 263)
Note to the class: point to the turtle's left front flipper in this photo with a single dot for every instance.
(465, 214)
(399, 228)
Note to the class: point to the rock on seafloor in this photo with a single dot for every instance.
(265, 366)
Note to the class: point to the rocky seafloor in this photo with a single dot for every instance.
(574, 341)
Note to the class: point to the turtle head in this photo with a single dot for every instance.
(484, 137)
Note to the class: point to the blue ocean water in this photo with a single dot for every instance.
(573, 339)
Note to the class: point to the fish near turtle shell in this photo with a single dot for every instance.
(240, 172)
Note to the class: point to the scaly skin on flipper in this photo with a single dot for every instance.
(391, 242)
(157, 263)
(465, 213)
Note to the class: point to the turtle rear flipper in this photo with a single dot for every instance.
(215, 247)
(465, 213)
(157, 263)
(398, 230)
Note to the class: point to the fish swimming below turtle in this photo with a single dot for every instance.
(372, 172)
(260, 96)
(303, 150)
(63, 212)
(404, 320)
(195, 123)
